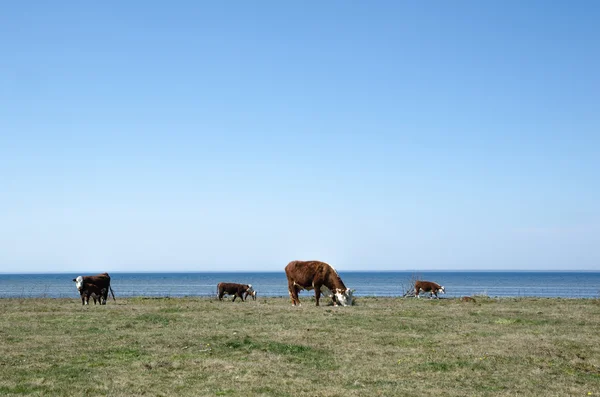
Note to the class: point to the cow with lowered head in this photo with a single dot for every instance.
(429, 286)
(319, 276)
(94, 285)
(237, 290)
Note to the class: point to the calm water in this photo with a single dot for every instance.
(500, 284)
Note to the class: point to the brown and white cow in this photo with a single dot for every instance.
(319, 276)
(428, 286)
(99, 282)
(241, 290)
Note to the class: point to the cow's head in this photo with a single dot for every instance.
(250, 291)
(441, 290)
(78, 283)
(344, 297)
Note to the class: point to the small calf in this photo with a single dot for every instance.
(237, 290)
(468, 299)
(428, 286)
(92, 290)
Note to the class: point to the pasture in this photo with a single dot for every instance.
(381, 346)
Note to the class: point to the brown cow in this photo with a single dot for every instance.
(241, 290)
(92, 290)
(318, 276)
(102, 281)
(428, 286)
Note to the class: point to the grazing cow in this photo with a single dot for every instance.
(318, 276)
(101, 281)
(428, 286)
(468, 299)
(241, 290)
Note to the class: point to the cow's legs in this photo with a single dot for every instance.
(295, 298)
(317, 293)
(234, 296)
(291, 293)
(296, 292)
(293, 290)
(221, 293)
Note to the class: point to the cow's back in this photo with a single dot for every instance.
(427, 286)
(305, 273)
(101, 280)
(232, 288)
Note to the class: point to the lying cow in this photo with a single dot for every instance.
(319, 276)
(241, 290)
(428, 286)
(99, 282)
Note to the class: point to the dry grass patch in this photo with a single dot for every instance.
(200, 346)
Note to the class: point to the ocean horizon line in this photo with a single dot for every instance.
(281, 271)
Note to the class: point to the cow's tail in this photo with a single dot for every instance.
(112, 293)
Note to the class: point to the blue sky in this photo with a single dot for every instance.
(197, 136)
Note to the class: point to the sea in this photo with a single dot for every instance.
(272, 284)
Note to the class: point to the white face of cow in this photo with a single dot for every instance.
(344, 297)
(79, 283)
(442, 290)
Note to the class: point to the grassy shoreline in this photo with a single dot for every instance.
(382, 346)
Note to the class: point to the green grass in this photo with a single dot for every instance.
(387, 347)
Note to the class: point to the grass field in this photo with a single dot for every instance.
(381, 346)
